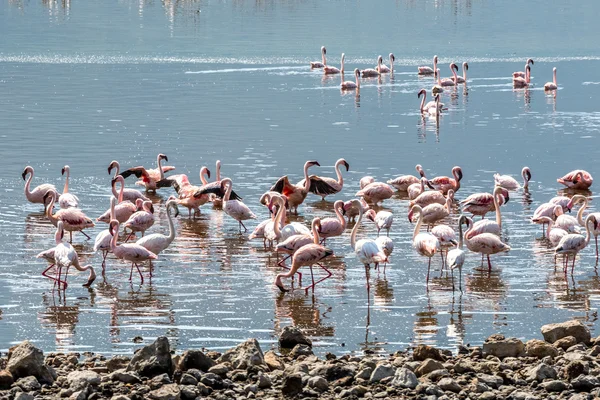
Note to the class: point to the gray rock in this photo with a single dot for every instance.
(541, 372)
(6, 380)
(292, 336)
(212, 380)
(554, 386)
(585, 383)
(487, 396)
(188, 379)
(319, 383)
(540, 349)
(520, 395)
(423, 352)
(301, 350)
(154, 359)
(492, 381)
(264, 381)
(189, 392)
(382, 371)
(566, 342)
(434, 390)
(364, 373)
(291, 385)
(117, 362)
(428, 366)
(28, 384)
(575, 368)
(500, 347)
(195, 359)
(24, 396)
(250, 389)
(80, 395)
(449, 384)
(333, 372)
(125, 377)
(405, 378)
(219, 369)
(159, 380)
(464, 365)
(27, 360)
(167, 392)
(120, 397)
(79, 380)
(244, 355)
(554, 332)
(438, 374)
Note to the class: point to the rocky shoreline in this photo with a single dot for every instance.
(565, 365)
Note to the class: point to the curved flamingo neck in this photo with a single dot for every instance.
(419, 220)
(160, 170)
(315, 231)
(454, 74)
(456, 178)
(588, 232)
(204, 175)
(280, 211)
(355, 229)
(337, 207)
(497, 205)
(117, 168)
(460, 236)
(423, 102)
(581, 210)
(229, 185)
(115, 232)
(28, 184)
(525, 180)
(49, 209)
(66, 188)
(466, 234)
(306, 180)
(171, 236)
(340, 178)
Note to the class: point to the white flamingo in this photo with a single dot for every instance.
(329, 70)
(103, 239)
(349, 85)
(573, 243)
(551, 85)
(426, 70)
(425, 243)
(323, 62)
(66, 199)
(487, 226)
(510, 183)
(123, 209)
(383, 69)
(157, 242)
(485, 243)
(131, 252)
(382, 219)
(330, 227)
(36, 195)
(236, 209)
(456, 257)
(65, 256)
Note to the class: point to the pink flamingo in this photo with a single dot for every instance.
(448, 81)
(432, 106)
(123, 209)
(578, 179)
(546, 210)
(510, 183)
(65, 256)
(324, 186)
(433, 212)
(157, 242)
(152, 179)
(382, 68)
(483, 203)
(520, 82)
(365, 180)
(140, 221)
(330, 227)
(132, 252)
(259, 231)
(426, 70)
(402, 182)
(386, 245)
(186, 192)
(348, 85)
(128, 194)
(310, 255)
(382, 219)
(236, 209)
(73, 218)
(36, 195)
(573, 243)
(416, 189)
(329, 70)
(595, 231)
(552, 85)
(485, 225)
(425, 243)
(521, 74)
(485, 243)
(447, 238)
(428, 197)
(322, 63)
(372, 72)
(375, 192)
(272, 230)
(295, 193)
(48, 255)
(444, 183)
(295, 242)
(66, 199)
(351, 211)
(562, 201)
(103, 239)
(463, 78)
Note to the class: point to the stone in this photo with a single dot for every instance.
(195, 359)
(273, 361)
(463, 366)
(264, 381)
(219, 369)
(405, 378)
(428, 366)
(585, 383)
(244, 355)
(364, 373)
(27, 360)
(541, 372)
(80, 395)
(212, 380)
(449, 384)
(565, 343)
(500, 347)
(423, 352)
(24, 396)
(79, 380)
(575, 368)
(319, 383)
(540, 349)
(438, 374)
(334, 372)
(153, 359)
(291, 385)
(554, 332)
(117, 362)
(582, 348)
(554, 386)
(292, 336)
(187, 379)
(167, 392)
(492, 381)
(381, 372)
(487, 396)
(125, 377)
(189, 392)
(28, 384)
(120, 397)
(6, 379)
(521, 395)
(301, 350)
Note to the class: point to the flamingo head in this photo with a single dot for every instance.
(458, 171)
(379, 60)
(139, 203)
(112, 165)
(421, 92)
(466, 66)
(346, 164)
(311, 163)
(356, 72)
(323, 50)
(113, 227)
(27, 170)
(48, 194)
(530, 61)
(527, 173)
(64, 169)
(205, 171)
(392, 57)
(163, 157)
(410, 215)
(454, 66)
(429, 185)
(419, 168)
(370, 215)
(346, 207)
(435, 59)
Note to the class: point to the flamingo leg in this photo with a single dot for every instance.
(140, 272)
(428, 268)
(312, 277)
(86, 235)
(460, 279)
(489, 263)
(127, 239)
(131, 272)
(70, 237)
(104, 262)
(242, 224)
(367, 267)
(282, 262)
(452, 273)
(65, 285)
(573, 266)
(596, 238)
(44, 273)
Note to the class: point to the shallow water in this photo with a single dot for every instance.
(83, 84)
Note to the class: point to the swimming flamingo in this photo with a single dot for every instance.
(128, 194)
(323, 62)
(234, 208)
(521, 74)
(510, 183)
(428, 70)
(66, 199)
(455, 258)
(425, 243)
(432, 106)
(383, 69)
(65, 256)
(485, 243)
(382, 219)
(152, 179)
(351, 212)
(577, 179)
(444, 183)
(348, 85)
(402, 182)
(416, 189)
(123, 209)
(330, 227)
(448, 81)
(324, 186)
(573, 243)
(140, 221)
(73, 218)
(103, 239)
(295, 193)
(36, 195)
(367, 250)
(375, 192)
(433, 212)
(485, 225)
(329, 70)
(463, 78)
(483, 203)
(521, 82)
(371, 72)
(157, 242)
(132, 252)
(310, 255)
(551, 85)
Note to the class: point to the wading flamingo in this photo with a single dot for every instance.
(295, 193)
(577, 179)
(573, 243)
(152, 179)
(123, 209)
(546, 210)
(48, 255)
(455, 258)
(521, 74)
(103, 239)
(330, 227)
(485, 225)
(485, 243)
(186, 192)
(425, 243)
(351, 211)
(402, 182)
(324, 186)
(375, 192)
(521, 82)
(483, 203)
(463, 78)
(386, 245)
(73, 218)
(416, 189)
(577, 198)
(447, 238)
(272, 231)
(323, 62)
(432, 106)
(348, 85)
(553, 233)
(259, 231)
(383, 69)
(157, 242)
(428, 197)
(444, 183)
(382, 219)
(365, 180)
(434, 212)
(510, 183)
(446, 82)
(426, 70)
(128, 194)
(66, 199)
(36, 195)
(65, 256)
(329, 70)
(234, 208)
(551, 85)
(131, 252)
(562, 201)
(295, 242)
(140, 221)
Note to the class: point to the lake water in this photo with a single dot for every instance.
(83, 83)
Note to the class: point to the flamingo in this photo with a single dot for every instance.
(554, 234)
(330, 227)
(386, 245)
(426, 70)
(365, 180)
(36, 195)
(372, 72)
(217, 201)
(522, 82)
(510, 183)
(123, 209)
(309, 254)
(295, 193)
(382, 219)
(425, 243)
(293, 228)
(433, 212)
(259, 231)
(272, 231)
(428, 197)
(348, 85)
(444, 183)
(236, 209)
(128, 194)
(157, 242)
(186, 192)
(376, 192)
(103, 239)
(595, 231)
(66, 199)
(455, 258)
(73, 218)
(521, 74)
(402, 182)
(578, 179)
(562, 201)
(324, 186)
(567, 222)
(132, 252)
(295, 242)
(546, 210)
(416, 189)
(441, 83)
(351, 211)
(329, 70)
(485, 243)
(322, 63)
(463, 78)
(367, 250)
(482, 203)
(551, 85)
(152, 179)
(140, 221)
(573, 243)
(383, 69)
(447, 238)
(432, 106)
(485, 225)
(65, 256)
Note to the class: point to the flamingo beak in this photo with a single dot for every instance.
(110, 167)
(347, 166)
(152, 208)
(283, 290)
(315, 163)
(166, 158)
(430, 185)
(460, 175)
(528, 174)
(410, 214)
(24, 174)
(62, 235)
(208, 173)
(62, 171)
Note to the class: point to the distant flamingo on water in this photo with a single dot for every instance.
(384, 69)
(522, 82)
(551, 85)
(425, 243)
(372, 72)
(324, 186)
(444, 183)
(323, 62)
(329, 70)
(236, 209)
(426, 70)
(73, 218)
(521, 74)
(432, 106)
(36, 195)
(463, 78)
(402, 182)
(577, 179)
(66, 199)
(132, 252)
(510, 183)
(348, 85)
